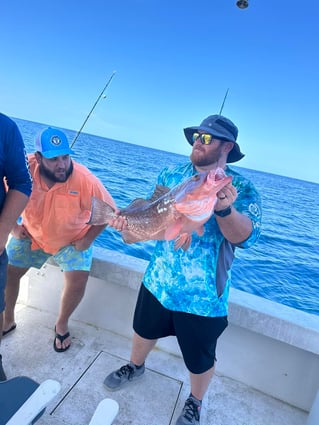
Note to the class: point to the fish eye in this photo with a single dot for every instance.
(196, 177)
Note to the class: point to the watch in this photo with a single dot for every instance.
(224, 212)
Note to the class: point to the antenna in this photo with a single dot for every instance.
(221, 108)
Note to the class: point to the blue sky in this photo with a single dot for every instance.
(174, 61)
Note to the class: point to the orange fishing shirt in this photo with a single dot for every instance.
(56, 217)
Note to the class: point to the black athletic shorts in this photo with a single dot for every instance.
(196, 335)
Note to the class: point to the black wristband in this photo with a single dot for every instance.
(224, 212)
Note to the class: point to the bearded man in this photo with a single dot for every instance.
(185, 292)
(54, 223)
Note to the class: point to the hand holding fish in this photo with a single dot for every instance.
(226, 197)
(119, 223)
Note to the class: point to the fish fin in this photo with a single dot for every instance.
(141, 203)
(173, 230)
(199, 230)
(158, 192)
(137, 204)
(101, 212)
(187, 243)
(183, 241)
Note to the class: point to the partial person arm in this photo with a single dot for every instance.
(99, 191)
(242, 225)
(17, 182)
(87, 240)
(20, 232)
(14, 205)
(235, 227)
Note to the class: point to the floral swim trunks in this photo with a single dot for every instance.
(68, 258)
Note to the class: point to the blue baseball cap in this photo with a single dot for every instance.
(52, 142)
(221, 128)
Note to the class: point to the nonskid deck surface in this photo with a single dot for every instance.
(155, 399)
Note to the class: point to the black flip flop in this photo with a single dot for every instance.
(61, 338)
(9, 330)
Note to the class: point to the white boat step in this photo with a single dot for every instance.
(105, 413)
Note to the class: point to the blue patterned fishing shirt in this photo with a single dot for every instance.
(197, 280)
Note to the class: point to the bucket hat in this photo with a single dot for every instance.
(221, 128)
(52, 142)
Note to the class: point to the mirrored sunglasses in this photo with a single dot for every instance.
(205, 138)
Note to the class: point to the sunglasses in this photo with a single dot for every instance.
(205, 138)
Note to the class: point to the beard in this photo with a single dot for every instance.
(61, 177)
(201, 158)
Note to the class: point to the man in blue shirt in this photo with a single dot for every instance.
(15, 189)
(185, 292)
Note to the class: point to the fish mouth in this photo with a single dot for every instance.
(215, 175)
(219, 174)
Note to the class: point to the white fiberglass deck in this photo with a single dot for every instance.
(156, 399)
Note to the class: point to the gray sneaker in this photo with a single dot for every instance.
(190, 413)
(2, 374)
(127, 373)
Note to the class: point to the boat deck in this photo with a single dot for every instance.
(155, 399)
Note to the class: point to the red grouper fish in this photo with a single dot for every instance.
(170, 213)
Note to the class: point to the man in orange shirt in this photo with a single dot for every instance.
(54, 223)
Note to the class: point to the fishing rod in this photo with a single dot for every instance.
(221, 109)
(96, 102)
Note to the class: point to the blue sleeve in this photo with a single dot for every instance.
(160, 181)
(248, 202)
(14, 163)
(162, 177)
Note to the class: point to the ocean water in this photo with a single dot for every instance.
(284, 264)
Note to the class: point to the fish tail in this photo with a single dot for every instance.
(101, 212)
